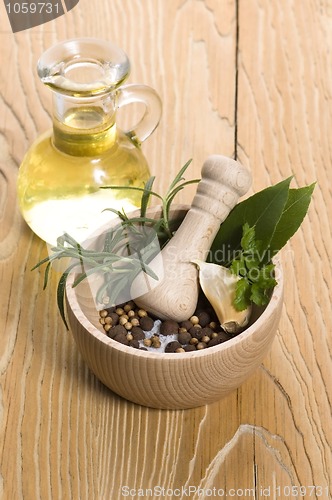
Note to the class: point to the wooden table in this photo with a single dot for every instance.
(244, 78)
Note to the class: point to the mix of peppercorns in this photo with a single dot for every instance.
(134, 327)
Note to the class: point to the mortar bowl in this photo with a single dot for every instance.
(171, 380)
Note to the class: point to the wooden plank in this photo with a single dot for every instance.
(63, 434)
(284, 115)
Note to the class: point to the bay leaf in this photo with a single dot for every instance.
(262, 210)
(293, 214)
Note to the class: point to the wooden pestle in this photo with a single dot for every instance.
(175, 294)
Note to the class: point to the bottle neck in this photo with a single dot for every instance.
(84, 126)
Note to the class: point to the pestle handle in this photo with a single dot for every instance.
(223, 181)
(175, 294)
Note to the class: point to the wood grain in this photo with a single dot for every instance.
(246, 76)
(283, 85)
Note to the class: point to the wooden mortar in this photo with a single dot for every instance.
(170, 380)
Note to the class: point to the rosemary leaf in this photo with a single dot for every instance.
(46, 274)
(134, 188)
(61, 293)
(179, 177)
(146, 195)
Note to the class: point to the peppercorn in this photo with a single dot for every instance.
(134, 321)
(173, 346)
(126, 324)
(114, 317)
(155, 341)
(137, 333)
(207, 331)
(142, 313)
(219, 339)
(204, 319)
(196, 332)
(194, 320)
(110, 333)
(120, 337)
(184, 337)
(146, 323)
(186, 324)
(169, 327)
(134, 343)
(189, 348)
(118, 329)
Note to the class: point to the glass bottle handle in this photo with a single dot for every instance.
(131, 93)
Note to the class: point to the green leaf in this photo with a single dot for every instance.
(61, 289)
(259, 294)
(252, 262)
(238, 267)
(266, 276)
(179, 177)
(242, 295)
(262, 210)
(248, 240)
(171, 195)
(146, 195)
(294, 212)
(46, 274)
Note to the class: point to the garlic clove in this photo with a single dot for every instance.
(218, 284)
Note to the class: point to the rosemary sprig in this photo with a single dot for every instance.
(127, 249)
(166, 201)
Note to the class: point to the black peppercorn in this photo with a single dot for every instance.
(118, 330)
(204, 318)
(134, 343)
(137, 333)
(169, 327)
(184, 338)
(221, 337)
(186, 324)
(146, 323)
(196, 332)
(173, 346)
(121, 338)
(189, 348)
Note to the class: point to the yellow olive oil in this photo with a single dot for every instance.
(62, 173)
(61, 176)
